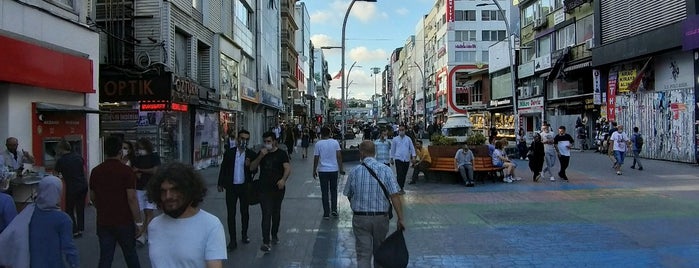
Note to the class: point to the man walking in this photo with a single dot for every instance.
(620, 142)
(637, 144)
(327, 153)
(274, 171)
(365, 188)
(547, 138)
(402, 154)
(235, 177)
(383, 148)
(112, 192)
(563, 143)
(423, 162)
(184, 235)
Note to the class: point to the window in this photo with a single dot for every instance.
(526, 53)
(465, 56)
(476, 93)
(488, 15)
(484, 56)
(203, 64)
(246, 67)
(565, 37)
(493, 35)
(583, 29)
(528, 15)
(464, 15)
(465, 35)
(547, 6)
(543, 46)
(182, 48)
(242, 13)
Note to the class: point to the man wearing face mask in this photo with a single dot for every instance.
(383, 148)
(274, 171)
(402, 155)
(235, 177)
(184, 235)
(145, 165)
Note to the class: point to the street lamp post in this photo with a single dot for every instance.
(424, 97)
(512, 66)
(344, 99)
(374, 103)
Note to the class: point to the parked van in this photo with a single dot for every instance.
(458, 126)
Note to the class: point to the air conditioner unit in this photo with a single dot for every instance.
(536, 91)
(590, 43)
(539, 23)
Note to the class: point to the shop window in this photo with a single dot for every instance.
(565, 37)
(246, 66)
(583, 29)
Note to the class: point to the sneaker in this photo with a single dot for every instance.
(618, 172)
(552, 178)
(516, 179)
(537, 177)
(507, 180)
(632, 167)
(334, 214)
(266, 248)
(326, 217)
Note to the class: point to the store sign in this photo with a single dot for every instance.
(559, 17)
(153, 106)
(589, 104)
(450, 10)
(503, 102)
(542, 63)
(185, 90)
(464, 45)
(625, 78)
(674, 71)
(611, 96)
(120, 115)
(529, 103)
(117, 88)
(690, 28)
(180, 107)
(596, 87)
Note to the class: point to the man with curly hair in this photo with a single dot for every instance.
(185, 235)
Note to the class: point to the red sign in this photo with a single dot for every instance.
(158, 106)
(180, 107)
(450, 10)
(611, 97)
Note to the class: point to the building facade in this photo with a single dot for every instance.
(289, 58)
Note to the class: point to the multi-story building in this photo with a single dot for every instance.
(394, 85)
(269, 61)
(289, 57)
(644, 57)
(321, 81)
(49, 52)
(305, 94)
(387, 92)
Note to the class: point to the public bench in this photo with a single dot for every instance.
(483, 166)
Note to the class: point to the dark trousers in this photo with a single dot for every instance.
(423, 167)
(328, 188)
(109, 236)
(565, 160)
(233, 194)
(401, 172)
(75, 207)
(271, 204)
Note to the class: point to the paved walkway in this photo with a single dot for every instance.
(640, 219)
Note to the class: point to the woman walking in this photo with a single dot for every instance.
(536, 157)
(305, 141)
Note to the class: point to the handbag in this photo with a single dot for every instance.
(393, 253)
(385, 192)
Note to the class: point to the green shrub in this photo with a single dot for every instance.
(476, 139)
(442, 140)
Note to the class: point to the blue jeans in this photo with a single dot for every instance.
(619, 156)
(549, 162)
(328, 183)
(109, 236)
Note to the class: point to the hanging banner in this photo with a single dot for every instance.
(611, 96)
(450, 11)
(597, 87)
(625, 77)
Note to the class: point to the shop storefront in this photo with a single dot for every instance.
(159, 108)
(501, 118)
(530, 112)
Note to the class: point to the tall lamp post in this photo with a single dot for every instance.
(512, 66)
(344, 99)
(424, 96)
(374, 103)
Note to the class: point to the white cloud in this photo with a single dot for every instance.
(364, 11)
(403, 11)
(320, 17)
(320, 40)
(363, 54)
(361, 87)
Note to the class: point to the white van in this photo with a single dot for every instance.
(458, 126)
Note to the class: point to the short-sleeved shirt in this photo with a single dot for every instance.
(548, 136)
(326, 150)
(71, 166)
(272, 170)
(497, 161)
(464, 157)
(363, 190)
(619, 139)
(186, 242)
(145, 162)
(424, 155)
(109, 181)
(383, 150)
(562, 141)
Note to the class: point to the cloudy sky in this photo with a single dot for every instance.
(373, 31)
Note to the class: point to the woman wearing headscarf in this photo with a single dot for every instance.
(536, 157)
(40, 236)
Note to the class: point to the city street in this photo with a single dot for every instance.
(640, 219)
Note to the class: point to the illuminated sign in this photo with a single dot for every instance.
(153, 106)
(180, 107)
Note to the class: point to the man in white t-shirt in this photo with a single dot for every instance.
(547, 138)
(564, 142)
(620, 141)
(185, 235)
(327, 162)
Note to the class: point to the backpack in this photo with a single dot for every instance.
(639, 141)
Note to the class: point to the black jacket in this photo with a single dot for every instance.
(225, 175)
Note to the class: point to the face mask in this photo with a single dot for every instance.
(142, 152)
(124, 152)
(176, 213)
(268, 146)
(401, 133)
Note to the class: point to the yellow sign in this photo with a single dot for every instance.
(515, 2)
(625, 79)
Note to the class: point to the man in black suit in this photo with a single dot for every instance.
(235, 177)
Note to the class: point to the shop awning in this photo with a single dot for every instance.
(55, 107)
(577, 66)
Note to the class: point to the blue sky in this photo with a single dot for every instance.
(373, 31)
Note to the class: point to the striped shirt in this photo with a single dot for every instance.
(383, 150)
(363, 190)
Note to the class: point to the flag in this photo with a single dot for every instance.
(338, 75)
(639, 77)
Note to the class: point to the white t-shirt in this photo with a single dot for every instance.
(187, 242)
(326, 150)
(548, 136)
(620, 140)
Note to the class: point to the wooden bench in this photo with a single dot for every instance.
(442, 164)
(483, 165)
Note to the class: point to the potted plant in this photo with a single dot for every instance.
(477, 144)
(441, 146)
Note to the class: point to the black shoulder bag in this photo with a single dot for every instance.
(385, 192)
